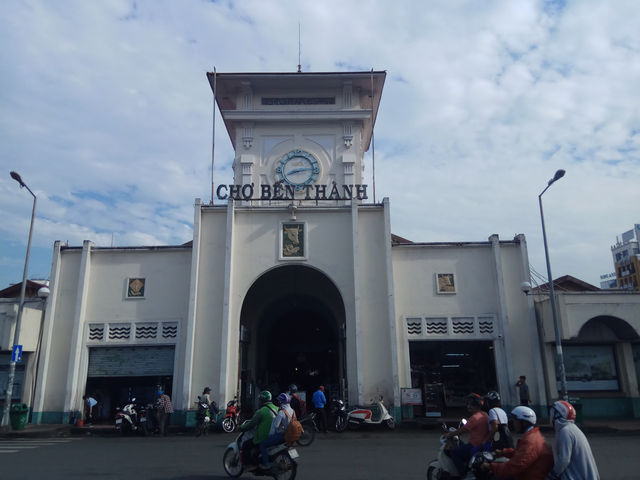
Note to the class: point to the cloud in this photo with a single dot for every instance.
(107, 115)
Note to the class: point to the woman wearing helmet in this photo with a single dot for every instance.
(532, 459)
(261, 420)
(278, 427)
(478, 429)
(574, 458)
(499, 434)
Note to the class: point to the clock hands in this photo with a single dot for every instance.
(298, 170)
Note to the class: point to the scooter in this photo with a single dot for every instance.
(282, 459)
(127, 419)
(373, 414)
(443, 467)
(230, 420)
(339, 411)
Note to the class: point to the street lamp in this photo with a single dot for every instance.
(16, 334)
(559, 356)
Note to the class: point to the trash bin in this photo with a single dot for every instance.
(577, 405)
(18, 415)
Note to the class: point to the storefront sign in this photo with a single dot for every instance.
(280, 191)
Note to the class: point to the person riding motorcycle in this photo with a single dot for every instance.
(278, 427)
(261, 420)
(297, 404)
(478, 429)
(206, 398)
(499, 433)
(532, 459)
(574, 458)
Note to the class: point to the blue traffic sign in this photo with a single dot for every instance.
(16, 355)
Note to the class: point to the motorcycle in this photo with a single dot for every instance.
(443, 467)
(206, 417)
(309, 429)
(374, 414)
(339, 411)
(230, 420)
(128, 419)
(282, 459)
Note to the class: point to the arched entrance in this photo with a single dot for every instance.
(292, 328)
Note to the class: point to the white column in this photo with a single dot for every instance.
(189, 329)
(78, 355)
(504, 368)
(394, 338)
(356, 310)
(47, 333)
(225, 337)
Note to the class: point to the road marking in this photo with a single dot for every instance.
(15, 445)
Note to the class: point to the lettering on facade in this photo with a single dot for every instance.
(280, 191)
(299, 101)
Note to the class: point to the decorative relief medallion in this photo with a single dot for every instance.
(445, 283)
(135, 287)
(293, 240)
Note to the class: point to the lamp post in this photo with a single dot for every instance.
(16, 333)
(559, 355)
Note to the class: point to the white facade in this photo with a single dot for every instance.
(298, 282)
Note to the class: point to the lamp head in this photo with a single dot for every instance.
(43, 292)
(525, 287)
(559, 174)
(17, 178)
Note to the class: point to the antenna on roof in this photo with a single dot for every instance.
(373, 142)
(213, 133)
(299, 50)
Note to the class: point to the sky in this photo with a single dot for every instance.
(106, 113)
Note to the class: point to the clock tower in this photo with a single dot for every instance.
(298, 136)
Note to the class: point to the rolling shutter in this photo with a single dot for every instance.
(130, 361)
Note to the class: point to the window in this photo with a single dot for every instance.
(636, 360)
(590, 368)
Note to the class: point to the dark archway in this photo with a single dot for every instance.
(292, 331)
(605, 328)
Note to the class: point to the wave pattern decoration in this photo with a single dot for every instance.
(146, 331)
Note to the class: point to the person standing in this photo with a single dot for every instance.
(523, 389)
(89, 403)
(574, 459)
(297, 404)
(164, 409)
(319, 401)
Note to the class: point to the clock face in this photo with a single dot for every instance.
(297, 168)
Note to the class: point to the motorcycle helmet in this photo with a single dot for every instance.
(474, 400)
(525, 414)
(492, 399)
(293, 388)
(264, 396)
(283, 399)
(562, 409)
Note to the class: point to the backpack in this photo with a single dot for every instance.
(293, 430)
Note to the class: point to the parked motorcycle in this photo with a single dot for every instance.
(282, 459)
(128, 419)
(339, 411)
(374, 414)
(230, 420)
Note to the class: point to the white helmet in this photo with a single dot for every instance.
(524, 413)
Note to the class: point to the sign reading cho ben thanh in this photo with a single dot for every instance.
(283, 191)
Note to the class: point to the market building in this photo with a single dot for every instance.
(293, 276)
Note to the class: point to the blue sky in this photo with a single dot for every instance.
(107, 115)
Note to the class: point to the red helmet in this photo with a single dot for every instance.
(562, 409)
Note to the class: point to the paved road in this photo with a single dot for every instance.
(402, 454)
